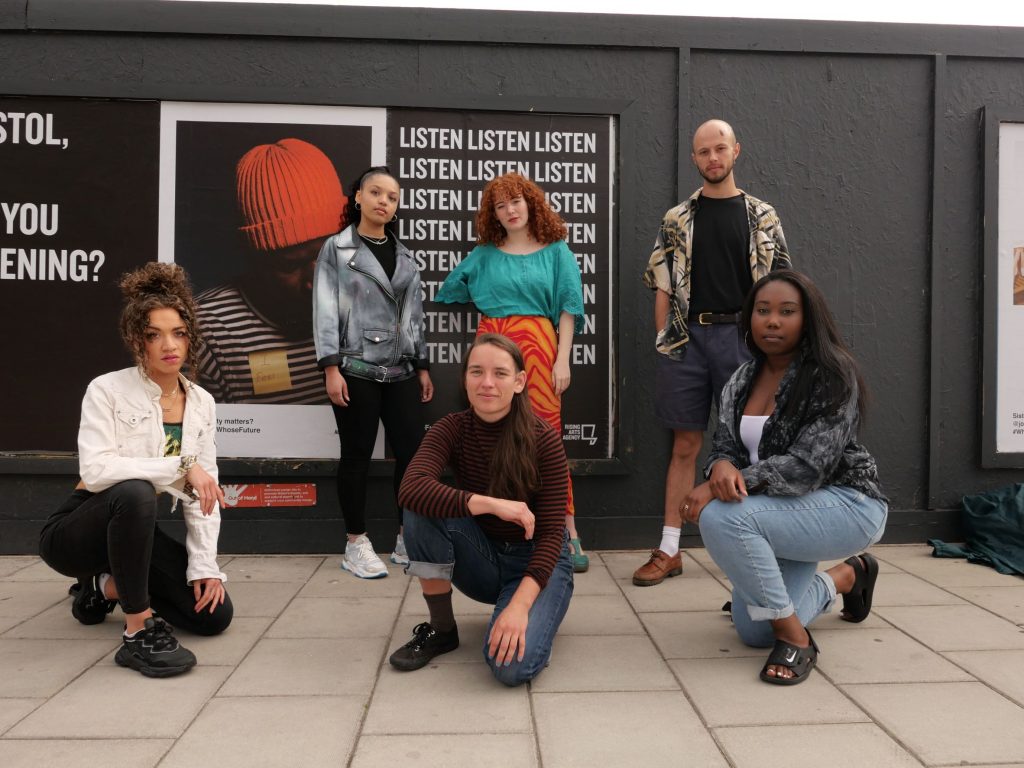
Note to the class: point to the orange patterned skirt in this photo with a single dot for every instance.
(536, 339)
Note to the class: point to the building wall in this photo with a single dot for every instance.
(866, 137)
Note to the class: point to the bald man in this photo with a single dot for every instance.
(709, 252)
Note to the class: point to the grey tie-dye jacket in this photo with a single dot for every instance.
(799, 453)
(359, 313)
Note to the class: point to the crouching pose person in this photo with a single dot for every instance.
(146, 430)
(498, 533)
(789, 485)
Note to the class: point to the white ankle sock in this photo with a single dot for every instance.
(670, 540)
(102, 581)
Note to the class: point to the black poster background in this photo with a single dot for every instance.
(61, 333)
(442, 173)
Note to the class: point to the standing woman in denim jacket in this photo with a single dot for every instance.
(789, 485)
(368, 330)
(146, 430)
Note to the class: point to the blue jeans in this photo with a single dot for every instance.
(769, 547)
(455, 549)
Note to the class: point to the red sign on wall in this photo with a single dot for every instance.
(270, 495)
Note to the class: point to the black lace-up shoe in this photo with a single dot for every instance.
(426, 643)
(89, 605)
(154, 651)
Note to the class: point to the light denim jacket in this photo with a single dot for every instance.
(121, 437)
(359, 313)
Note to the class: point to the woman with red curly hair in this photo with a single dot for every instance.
(525, 281)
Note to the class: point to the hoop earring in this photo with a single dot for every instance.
(358, 207)
(394, 218)
(746, 339)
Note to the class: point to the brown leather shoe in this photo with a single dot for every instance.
(660, 566)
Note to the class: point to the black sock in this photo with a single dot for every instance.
(442, 617)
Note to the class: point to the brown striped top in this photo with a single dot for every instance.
(465, 443)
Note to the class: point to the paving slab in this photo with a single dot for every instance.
(109, 702)
(881, 656)
(851, 745)
(516, 750)
(12, 710)
(955, 627)
(1003, 670)
(596, 581)
(1007, 602)
(944, 571)
(39, 571)
(600, 615)
(947, 723)
(41, 668)
(698, 592)
(328, 617)
(728, 692)
(463, 698)
(271, 568)
(615, 663)
(307, 667)
(307, 730)
(622, 729)
(329, 580)
(24, 599)
(10, 564)
(82, 753)
(57, 623)
(265, 598)
(696, 635)
(907, 589)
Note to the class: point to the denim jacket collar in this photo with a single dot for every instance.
(361, 259)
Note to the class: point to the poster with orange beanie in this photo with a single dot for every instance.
(249, 193)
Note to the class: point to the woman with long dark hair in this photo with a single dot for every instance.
(146, 430)
(789, 485)
(368, 330)
(526, 282)
(498, 532)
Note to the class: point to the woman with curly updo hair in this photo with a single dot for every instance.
(525, 281)
(146, 430)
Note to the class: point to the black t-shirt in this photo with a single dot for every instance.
(385, 253)
(720, 273)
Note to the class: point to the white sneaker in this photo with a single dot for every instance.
(362, 561)
(399, 556)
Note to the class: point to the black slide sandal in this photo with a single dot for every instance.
(857, 602)
(800, 660)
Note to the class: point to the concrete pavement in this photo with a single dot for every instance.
(639, 677)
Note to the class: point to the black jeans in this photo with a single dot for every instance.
(398, 405)
(115, 531)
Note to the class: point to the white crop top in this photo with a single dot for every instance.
(751, 428)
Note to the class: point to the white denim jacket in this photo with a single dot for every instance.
(121, 437)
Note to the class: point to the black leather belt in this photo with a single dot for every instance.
(380, 373)
(715, 318)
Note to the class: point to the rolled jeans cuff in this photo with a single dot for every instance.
(759, 613)
(424, 570)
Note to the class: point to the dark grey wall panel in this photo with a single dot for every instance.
(836, 121)
(973, 84)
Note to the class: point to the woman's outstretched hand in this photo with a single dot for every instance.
(560, 376)
(208, 592)
(507, 640)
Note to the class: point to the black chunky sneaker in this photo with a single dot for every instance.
(89, 605)
(426, 643)
(154, 651)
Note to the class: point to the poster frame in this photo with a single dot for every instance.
(624, 272)
(993, 119)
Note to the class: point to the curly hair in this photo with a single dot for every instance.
(545, 225)
(157, 286)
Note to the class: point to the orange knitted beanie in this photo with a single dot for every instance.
(288, 193)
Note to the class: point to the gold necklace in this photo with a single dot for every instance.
(173, 394)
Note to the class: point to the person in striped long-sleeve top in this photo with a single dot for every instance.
(498, 532)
